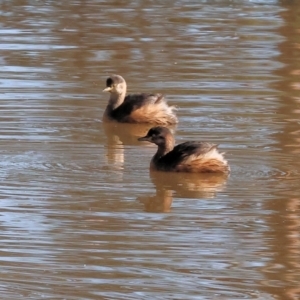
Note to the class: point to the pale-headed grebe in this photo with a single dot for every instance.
(136, 108)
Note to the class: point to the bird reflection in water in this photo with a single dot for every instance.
(181, 185)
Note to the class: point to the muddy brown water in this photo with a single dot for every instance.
(82, 217)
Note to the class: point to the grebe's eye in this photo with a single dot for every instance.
(109, 82)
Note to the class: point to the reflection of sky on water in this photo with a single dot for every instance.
(73, 192)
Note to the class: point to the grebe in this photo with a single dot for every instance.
(136, 108)
(195, 157)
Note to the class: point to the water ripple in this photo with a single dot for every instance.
(82, 217)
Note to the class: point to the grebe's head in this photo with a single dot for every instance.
(157, 135)
(115, 84)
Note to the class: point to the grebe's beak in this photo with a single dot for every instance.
(108, 89)
(145, 138)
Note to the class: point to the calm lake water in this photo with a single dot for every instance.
(82, 217)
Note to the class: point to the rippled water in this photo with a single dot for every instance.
(82, 217)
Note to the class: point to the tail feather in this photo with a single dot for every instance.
(211, 162)
(160, 98)
(204, 166)
(159, 112)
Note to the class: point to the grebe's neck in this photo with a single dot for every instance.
(116, 100)
(165, 148)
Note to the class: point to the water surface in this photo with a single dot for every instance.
(82, 217)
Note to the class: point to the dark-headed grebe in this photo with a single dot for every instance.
(196, 157)
(136, 108)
